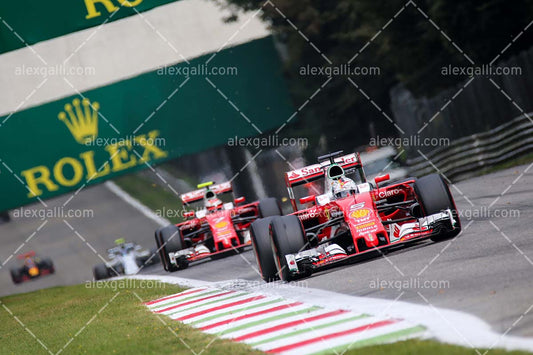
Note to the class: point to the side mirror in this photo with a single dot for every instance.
(308, 199)
(381, 178)
(239, 200)
(189, 214)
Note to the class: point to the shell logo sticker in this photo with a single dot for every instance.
(360, 213)
(220, 225)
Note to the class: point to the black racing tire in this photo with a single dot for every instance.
(434, 196)
(288, 237)
(140, 261)
(49, 265)
(16, 276)
(168, 240)
(262, 246)
(4, 217)
(101, 272)
(116, 270)
(269, 207)
(154, 255)
(151, 259)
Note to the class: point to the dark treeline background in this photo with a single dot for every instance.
(410, 51)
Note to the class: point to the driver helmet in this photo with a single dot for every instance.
(212, 202)
(120, 242)
(341, 186)
(28, 261)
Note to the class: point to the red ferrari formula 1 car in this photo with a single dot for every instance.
(344, 216)
(212, 231)
(33, 267)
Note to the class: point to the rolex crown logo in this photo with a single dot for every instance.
(82, 122)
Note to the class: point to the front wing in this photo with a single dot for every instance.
(309, 260)
(200, 252)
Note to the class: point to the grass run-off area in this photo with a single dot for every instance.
(110, 318)
(163, 202)
(524, 159)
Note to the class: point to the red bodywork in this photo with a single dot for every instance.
(359, 216)
(221, 230)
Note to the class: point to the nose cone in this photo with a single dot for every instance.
(371, 240)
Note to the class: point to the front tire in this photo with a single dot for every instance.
(16, 276)
(147, 260)
(260, 235)
(168, 240)
(101, 272)
(434, 197)
(48, 265)
(154, 255)
(287, 238)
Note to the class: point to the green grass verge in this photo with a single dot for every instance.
(525, 159)
(152, 195)
(171, 169)
(422, 347)
(112, 319)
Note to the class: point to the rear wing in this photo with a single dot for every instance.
(316, 171)
(198, 195)
(29, 254)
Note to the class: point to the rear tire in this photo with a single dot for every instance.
(260, 235)
(269, 207)
(101, 272)
(168, 240)
(150, 259)
(49, 265)
(434, 197)
(156, 259)
(287, 238)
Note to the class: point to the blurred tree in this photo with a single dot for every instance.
(410, 50)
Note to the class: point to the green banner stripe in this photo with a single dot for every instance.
(181, 300)
(123, 127)
(247, 308)
(267, 320)
(385, 338)
(36, 21)
(218, 300)
(309, 329)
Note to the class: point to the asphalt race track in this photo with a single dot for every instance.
(487, 271)
(71, 250)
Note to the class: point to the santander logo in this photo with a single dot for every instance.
(294, 175)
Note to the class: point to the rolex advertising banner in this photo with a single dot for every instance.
(99, 133)
(36, 21)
